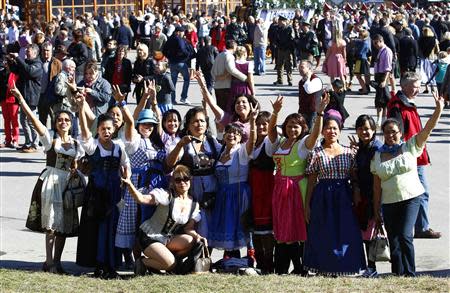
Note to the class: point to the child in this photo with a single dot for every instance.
(337, 97)
(164, 86)
(441, 67)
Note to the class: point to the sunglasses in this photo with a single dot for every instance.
(182, 179)
(63, 120)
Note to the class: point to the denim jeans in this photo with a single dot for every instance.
(399, 219)
(260, 59)
(422, 223)
(30, 133)
(175, 69)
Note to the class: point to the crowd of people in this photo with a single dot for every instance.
(156, 188)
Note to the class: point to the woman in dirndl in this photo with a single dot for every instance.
(290, 184)
(100, 213)
(334, 245)
(428, 50)
(52, 208)
(228, 229)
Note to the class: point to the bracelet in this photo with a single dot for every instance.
(121, 104)
(320, 114)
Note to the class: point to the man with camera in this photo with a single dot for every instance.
(29, 84)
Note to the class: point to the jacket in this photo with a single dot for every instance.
(125, 87)
(29, 84)
(260, 36)
(176, 50)
(409, 52)
(237, 33)
(285, 38)
(218, 41)
(205, 57)
(100, 96)
(406, 113)
(55, 68)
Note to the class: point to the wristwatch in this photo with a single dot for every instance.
(121, 103)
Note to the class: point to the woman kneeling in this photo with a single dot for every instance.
(169, 236)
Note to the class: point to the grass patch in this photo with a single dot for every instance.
(26, 281)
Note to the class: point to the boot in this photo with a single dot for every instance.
(296, 255)
(282, 259)
(187, 266)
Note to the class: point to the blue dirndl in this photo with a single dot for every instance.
(334, 244)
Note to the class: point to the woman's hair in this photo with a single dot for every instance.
(297, 119)
(446, 36)
(179, 171)
(427, 32)
(104, 118)
(123, 48)
(364, 34)
(56, 116)
(189, 116)
(251, 100)
(263, 117)
(191, 27)
(144, 48)
(234, 128)
(240, 51)
(166, 116)
(90, 65)
(362, 119)
(390, 121)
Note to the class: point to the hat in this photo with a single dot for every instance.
(348, 7)
(180, 28)
(326, 7)
(364, 7)
(61, 49)
(394, 6)
(282, 18)
(147, 116)
(158, 55)
(333, 114)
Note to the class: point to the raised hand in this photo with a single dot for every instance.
(118, 96)
(199, 77)
(278, 104)
(439, 100)
(353, 143)
(324, 101)
(254, 111)
(79, 99)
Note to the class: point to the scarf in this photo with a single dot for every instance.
(391, 149)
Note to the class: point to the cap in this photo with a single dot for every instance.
(281, 17)
(326, 7)
(333, 114)
(364, 7)
(180, 28)
(305, 23)
(348, 7)
(147, 116)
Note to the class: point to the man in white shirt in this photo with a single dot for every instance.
(222, 71)
(309, 92)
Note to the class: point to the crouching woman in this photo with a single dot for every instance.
(169, 236)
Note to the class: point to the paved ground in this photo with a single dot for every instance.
(22, 249)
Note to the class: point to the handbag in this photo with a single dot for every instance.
(203, 263)
(379, 247)
(74, 192)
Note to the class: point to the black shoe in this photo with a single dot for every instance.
(282, 259)
(429, 234)
(289, 83)
(277, 83)
(139, 267)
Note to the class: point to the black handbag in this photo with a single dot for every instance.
(208, 200)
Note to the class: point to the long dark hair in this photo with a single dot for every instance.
(361, 120)
(166, 116)
(251, 100)
(57, 114)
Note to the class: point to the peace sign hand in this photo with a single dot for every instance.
(254, 111)
(353, 143)
(278, 104)
(439, 100)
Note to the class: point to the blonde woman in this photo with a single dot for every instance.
(428, 48)
(336, 58)
(143, 70)
(238, 87)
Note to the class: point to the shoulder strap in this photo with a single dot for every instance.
(193, 205)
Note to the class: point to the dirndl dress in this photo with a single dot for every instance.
(146, 171)
(289, 193)
(228, 225)
(100, 214)
(48, 211)
(334, 243)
